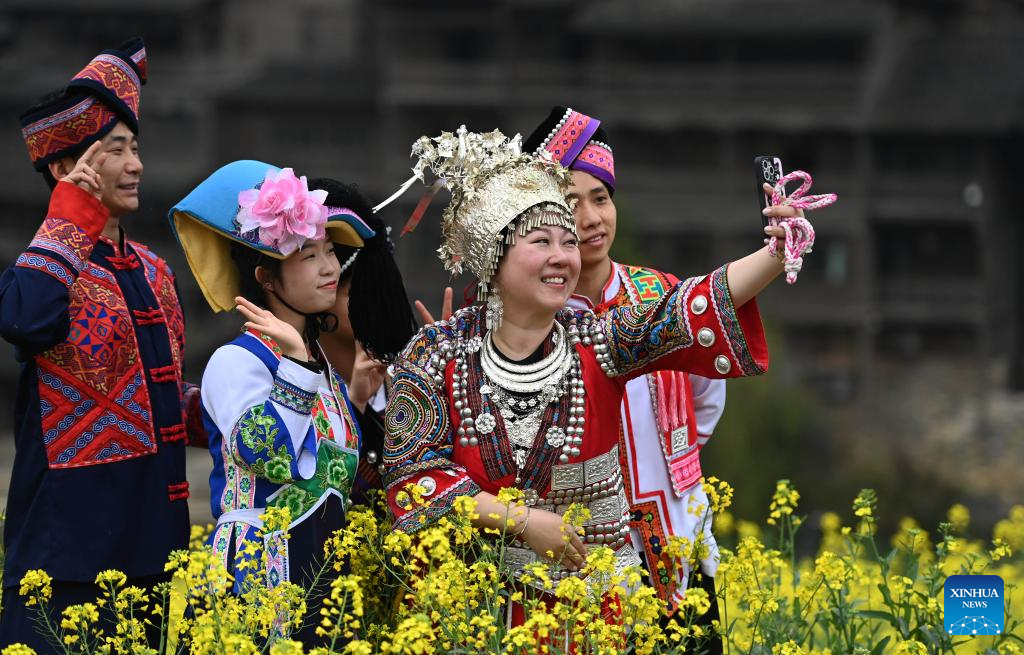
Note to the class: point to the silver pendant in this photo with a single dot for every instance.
(521, 458)
(555, 437)
(522, 432)
(485, 423)
(486, 390)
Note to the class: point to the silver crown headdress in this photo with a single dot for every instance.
(492, 183)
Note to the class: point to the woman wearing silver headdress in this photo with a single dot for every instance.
(519, 391)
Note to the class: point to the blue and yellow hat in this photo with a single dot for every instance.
(261, 206)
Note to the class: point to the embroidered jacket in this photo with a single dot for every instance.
(280, 435)
(100, 422)
(673, 414)
(421, 418)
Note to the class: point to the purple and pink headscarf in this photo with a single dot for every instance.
(575, 141)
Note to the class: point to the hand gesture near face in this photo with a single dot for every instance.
(84, 173)
(263, 320)
(367, 376)
(446, 308)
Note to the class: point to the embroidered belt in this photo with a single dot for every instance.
(335, 472)
(588, 472)
(277, 567)
(596, 484)
(516, 558)
(249, 516)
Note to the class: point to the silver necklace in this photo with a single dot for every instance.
(558, 339)
(525, 379)
(569, 438)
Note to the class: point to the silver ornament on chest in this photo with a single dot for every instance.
(522, 432)
(521, 456)
(485, 423)
(555, 437)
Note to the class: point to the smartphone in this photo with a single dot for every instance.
(768, 169)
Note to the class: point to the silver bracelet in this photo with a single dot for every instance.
(519, 534)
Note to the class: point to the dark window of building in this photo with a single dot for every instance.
(830, 261)
(948, 249)
(696, 149)
(819, 49)
(912, 153)
(664, 50)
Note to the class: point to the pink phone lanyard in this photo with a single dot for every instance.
(799, 233)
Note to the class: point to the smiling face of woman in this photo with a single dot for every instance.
(538, 273)
(308, 279)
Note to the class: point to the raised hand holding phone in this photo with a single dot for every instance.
(787, 213)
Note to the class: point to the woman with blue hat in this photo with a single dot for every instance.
(281, 425)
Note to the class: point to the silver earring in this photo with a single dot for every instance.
(495, 310)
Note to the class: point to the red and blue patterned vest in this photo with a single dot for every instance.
(94, 402)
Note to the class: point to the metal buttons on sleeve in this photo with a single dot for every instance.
(706, 337)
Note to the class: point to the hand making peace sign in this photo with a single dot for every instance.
(84, 173)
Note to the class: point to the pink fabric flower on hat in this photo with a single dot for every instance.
(284, 210)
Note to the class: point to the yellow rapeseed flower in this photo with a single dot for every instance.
(959, 517)
(723, 523)
(864, 504)
(78, 620)
(111, 577)
(1011, 529)
(696, 600)
(910, 647)
(788, 648)
(465, 506)
(38, 586)
(719, 493)
(784, 501)
(510, 496)
(286, 647)
(1000, 549)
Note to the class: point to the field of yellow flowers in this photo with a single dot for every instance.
(445, 590)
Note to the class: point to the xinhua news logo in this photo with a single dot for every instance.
(974, 605)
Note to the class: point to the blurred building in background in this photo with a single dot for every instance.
(906, 326)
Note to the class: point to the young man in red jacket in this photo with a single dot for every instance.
(98, 480)
(666, 417)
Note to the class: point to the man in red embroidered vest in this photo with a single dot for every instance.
(98, 480)
(666, 417)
